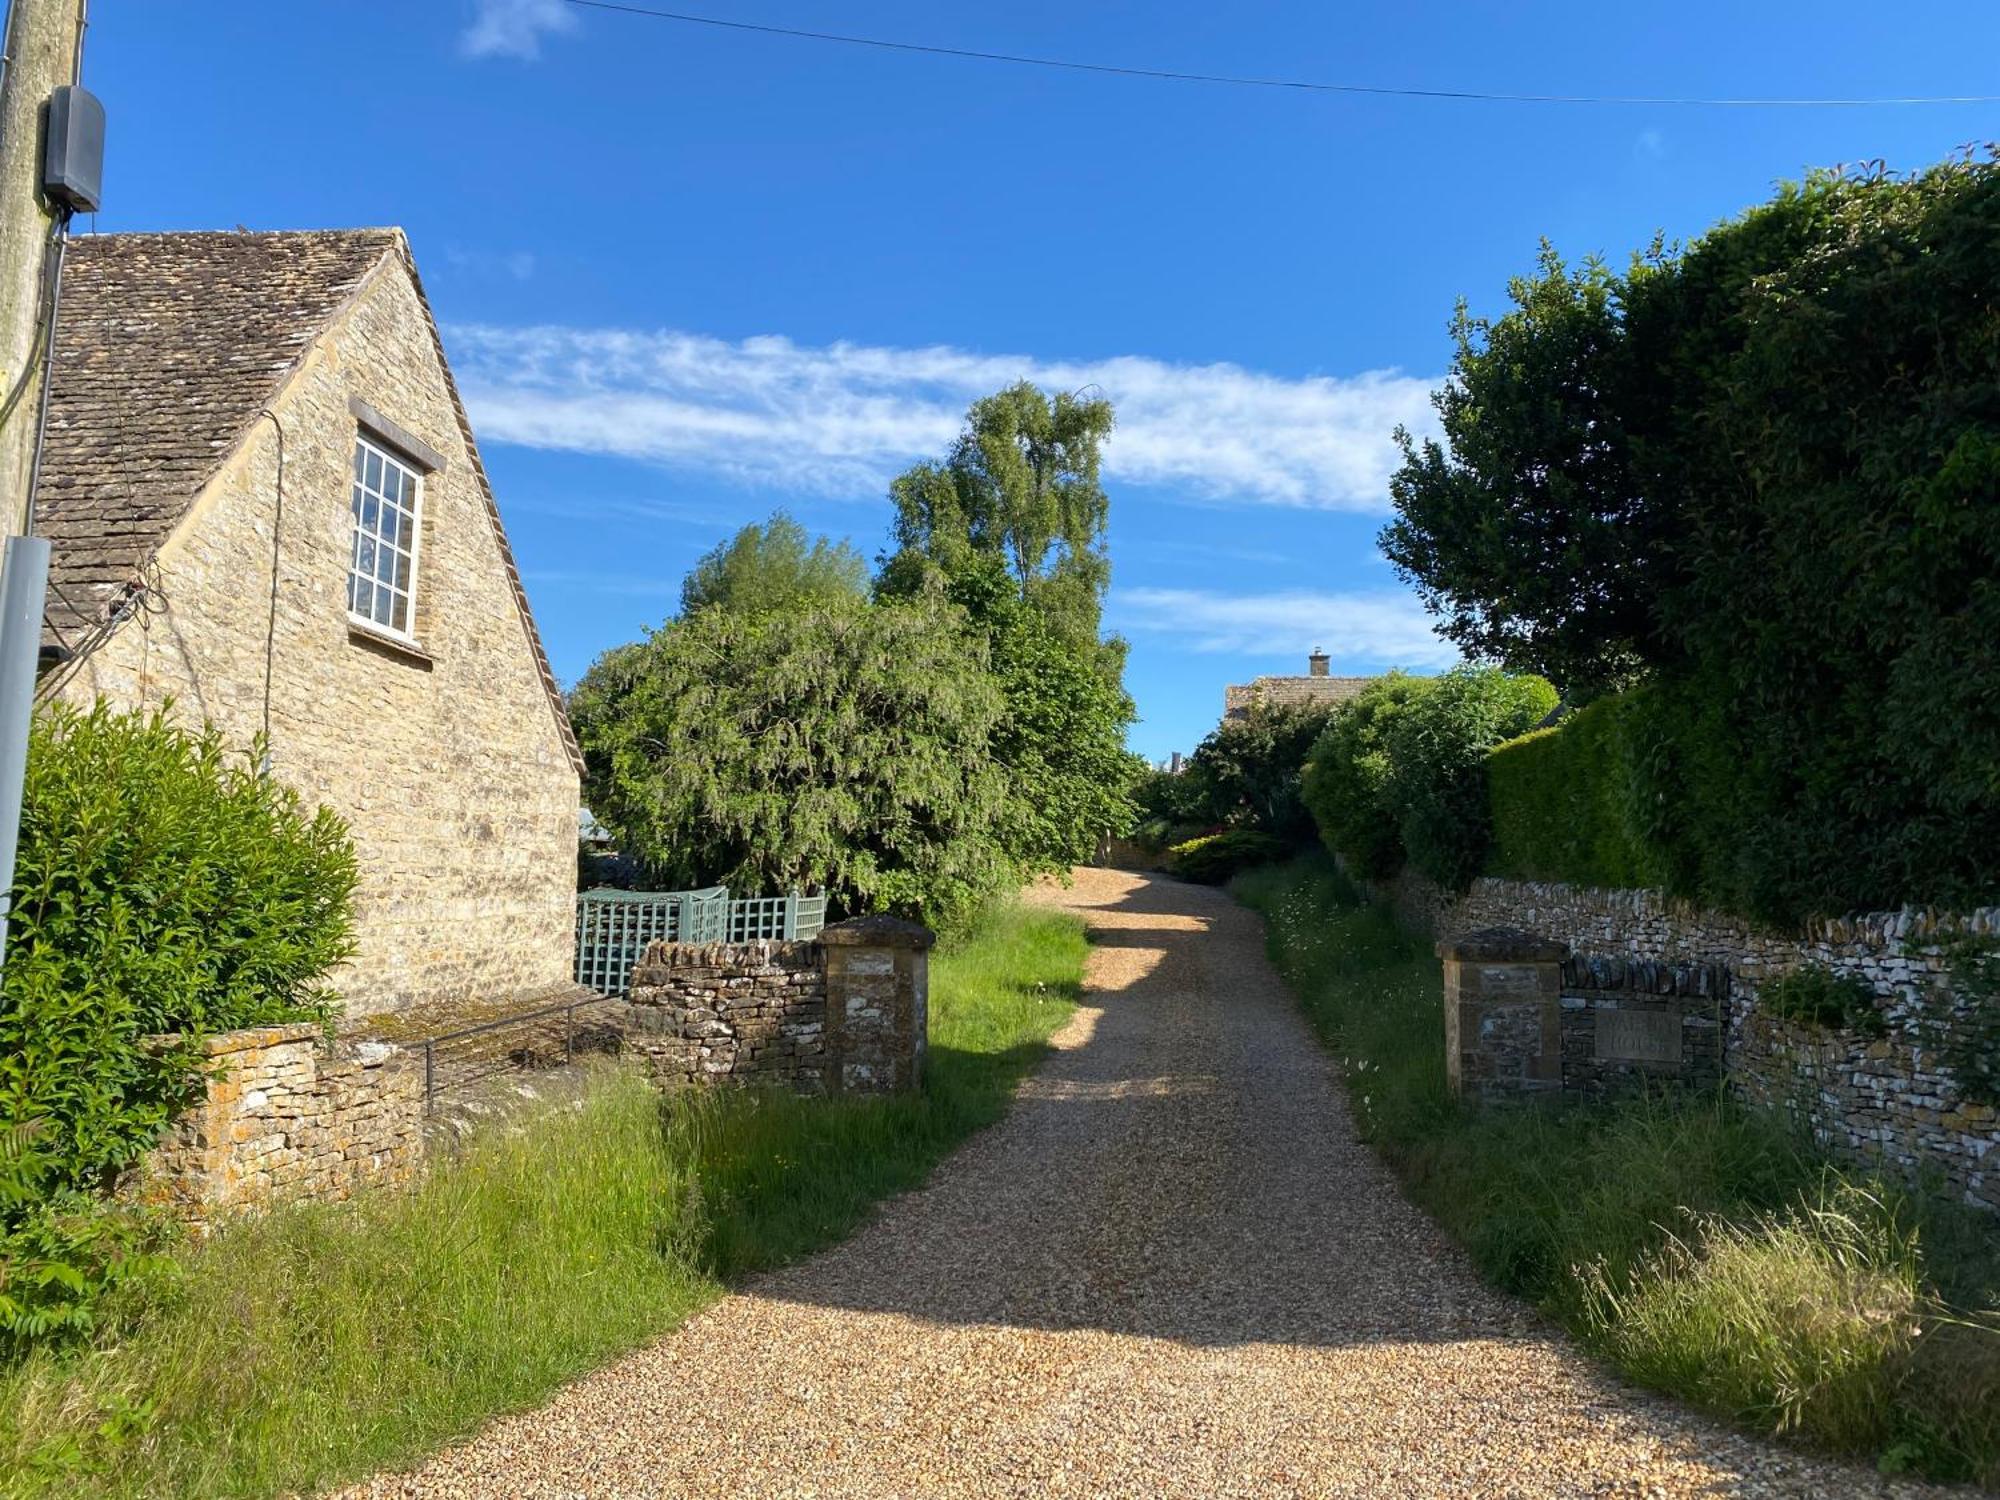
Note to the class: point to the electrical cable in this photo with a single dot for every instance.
(143, 597)
(42, 326)
(271, 621)
(1250, 81)
(48, 370)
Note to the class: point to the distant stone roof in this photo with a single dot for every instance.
(1289, 692)
(167, 349)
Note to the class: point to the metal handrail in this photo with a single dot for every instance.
(567, 1009)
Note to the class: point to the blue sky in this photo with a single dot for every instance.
(688, 276)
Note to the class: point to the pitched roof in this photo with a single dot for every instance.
(167, 349)
(1289, 692)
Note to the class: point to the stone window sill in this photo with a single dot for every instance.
(389, 645)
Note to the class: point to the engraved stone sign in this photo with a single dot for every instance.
(1501, 981)
(1651, 1036)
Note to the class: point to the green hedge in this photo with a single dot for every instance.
(1760, 475)
(1562, 803)
(1346, 781)
(1437, 747)
(163, 885)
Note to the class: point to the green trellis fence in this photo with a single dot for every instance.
(613, 927)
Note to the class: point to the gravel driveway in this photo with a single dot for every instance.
(1171, 1271)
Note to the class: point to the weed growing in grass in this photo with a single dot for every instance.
(1700, 1246)
(319, 1343)
(1796, 1321)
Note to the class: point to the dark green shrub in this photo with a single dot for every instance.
(163, 887)
(1437, 748)
(1763, 474)
(1562, 803)
(1247, 770)
(1168, 799)
(1815, 995)
(1214, 858)
(1346, 781)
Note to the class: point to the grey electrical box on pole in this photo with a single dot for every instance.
(73, 153)
(24, 581)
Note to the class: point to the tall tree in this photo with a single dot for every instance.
(1019, 489)
(776, 566)
(1010, 527)
(1529, 529)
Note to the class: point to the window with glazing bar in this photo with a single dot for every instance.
(382, 574)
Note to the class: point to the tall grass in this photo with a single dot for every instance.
(1698, 1245)
(318, 1343)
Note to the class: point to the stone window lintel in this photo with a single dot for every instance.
(396, 436)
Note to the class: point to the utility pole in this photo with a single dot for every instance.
(44, 49)
(51, 160)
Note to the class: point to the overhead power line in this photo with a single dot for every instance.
(1241, 81)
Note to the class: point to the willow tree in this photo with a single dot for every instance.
(845, 746)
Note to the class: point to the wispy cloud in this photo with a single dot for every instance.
(514, 28)
(1355, 629)
(491, 265)
(843, 418)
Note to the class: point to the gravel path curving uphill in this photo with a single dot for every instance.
(1171, 1271)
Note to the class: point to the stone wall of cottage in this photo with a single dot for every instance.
(447, 761)
(287, 1117)
(845, 1013)
(1891, 1100)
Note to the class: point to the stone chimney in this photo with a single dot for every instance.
(1317, 663)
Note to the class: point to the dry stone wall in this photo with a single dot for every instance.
(845, 1013)
(731, 1012)
(288, 1117)
(1892, 1100)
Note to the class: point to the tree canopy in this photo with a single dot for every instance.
(1527, 529)
(1761, 472)
(1010, 527)
(843, 747)
(776, 566)
(909, 749)
(1249, 769)
(1019, 489)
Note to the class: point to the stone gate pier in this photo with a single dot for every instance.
(1523, 1015)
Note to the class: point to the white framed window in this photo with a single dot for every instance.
(382, 570)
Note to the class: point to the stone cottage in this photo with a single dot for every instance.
(265, 503)
(1314, 690)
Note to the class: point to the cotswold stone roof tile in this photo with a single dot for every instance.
(167, 347)
(1289, 692)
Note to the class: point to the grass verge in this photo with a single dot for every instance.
(1697, 1245)
(320, 1343)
